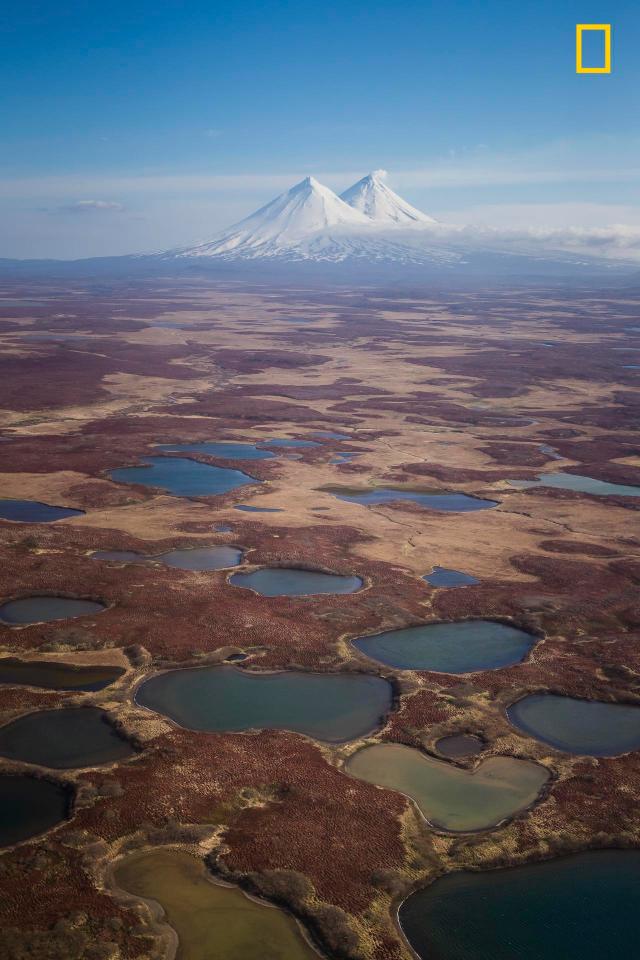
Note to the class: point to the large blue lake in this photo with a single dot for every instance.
(183, 477)
(583, 907)
(591, 727)
(331, 707)
(456, 647)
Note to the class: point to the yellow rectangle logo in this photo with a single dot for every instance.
(605, 28)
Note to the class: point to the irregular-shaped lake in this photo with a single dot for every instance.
(436, 500)
(183, 477)
(29, 806)
(56, 675)
(192, 558)
(212, 921)
(571, 481)
(461, 647)
(443, 577)
(32, 511)
(41, 609)
(229, 450)
(588, 727)
(450, 797)
(582, 907)
(70, 737)
(331, 707)
(289, 582)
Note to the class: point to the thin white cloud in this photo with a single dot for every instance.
(90, 206)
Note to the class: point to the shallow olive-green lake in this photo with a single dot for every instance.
(212, 921)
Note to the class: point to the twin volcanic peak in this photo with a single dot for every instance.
(311, 222)
(376, 200)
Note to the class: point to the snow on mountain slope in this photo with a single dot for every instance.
(306, 211)
(310, 222)
(380, 203)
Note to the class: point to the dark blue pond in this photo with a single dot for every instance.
(71, 737)
(331, 707)
(229, 450)
(443, 577)
(460, 647)
(247, 508)
(583, 907)
(32, 511)
(41, 609)
(460, 502)
(588, 727)
(29, 806)
(288, 582)
(329, 435)
(183, 477)
(56, 675)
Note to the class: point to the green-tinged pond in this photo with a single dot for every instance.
(448, 796)
(211, 921)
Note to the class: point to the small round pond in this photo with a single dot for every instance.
(444, 577)
(42, 609)
(450, 797)
(587, 727)
(193, 558)
(70, 737)
(290, 582)
(582, 907)
(458, 746)
(212, 921)
(32, 511)
(462, 647)
(29, 806)
(434, 500)
(56, 675)
(331, 707)
(183, 477)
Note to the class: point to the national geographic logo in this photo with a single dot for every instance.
(605, 62)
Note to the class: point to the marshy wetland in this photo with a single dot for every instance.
(345, 658)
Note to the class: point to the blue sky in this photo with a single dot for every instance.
(132, 126)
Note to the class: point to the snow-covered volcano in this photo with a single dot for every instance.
(311, 222)
(289, 223)
(380, 203)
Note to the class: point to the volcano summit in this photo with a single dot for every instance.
(311, 222)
